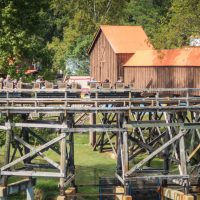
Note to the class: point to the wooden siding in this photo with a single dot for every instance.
(121, 60)
(163, 77)
(103, 61)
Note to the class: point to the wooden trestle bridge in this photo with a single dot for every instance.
(142, 127)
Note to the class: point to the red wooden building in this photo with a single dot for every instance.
(126, 51)
(112, 47)
(177, 68)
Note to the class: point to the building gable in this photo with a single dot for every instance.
(123, 39)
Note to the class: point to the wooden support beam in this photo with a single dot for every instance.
(43, 141)
(32, 174)
(62, 165)
(92, 135)
(33, 152)
(125, 152)
(3, 193)
(19, 186)
(153, 154)
(119, 191)
(81, 128)
(51, 162)
(4, 179)
(193, 152)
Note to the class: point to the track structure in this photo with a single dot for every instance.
(154, 133)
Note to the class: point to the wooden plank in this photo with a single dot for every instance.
(63, 164)
(33, 152)
(119, 191)
(182, 153)
(56, 165)
(32, 174)
(194, 152)
(125, 152)
(20, 186)
(153, 154)
(7, 147)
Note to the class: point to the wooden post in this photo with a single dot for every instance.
(71, 157)
(92, 134)
(119, 190)
(25, 135)
(70, 193)
(70, 123)
(4, 179)
(119, 137)
(125, 152)
(183, 163)
(3, 193)
(63, 165)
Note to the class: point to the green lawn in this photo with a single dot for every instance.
(90, 166)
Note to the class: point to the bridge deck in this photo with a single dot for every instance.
(61, 100)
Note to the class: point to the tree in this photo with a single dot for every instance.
(146, 13)
(182, 22)
(24, 26)
(79, 26)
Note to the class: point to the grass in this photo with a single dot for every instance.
(90, 166)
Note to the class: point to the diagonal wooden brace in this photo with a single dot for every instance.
(33, 152)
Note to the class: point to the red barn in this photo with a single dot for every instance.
(112, 47)
(175, 68)
(126, 51)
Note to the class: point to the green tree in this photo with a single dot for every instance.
(146, 13)
(182, 22)
(24, 30)
(78, 24)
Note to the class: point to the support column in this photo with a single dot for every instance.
(92, 134)
(119, 136)
(70, 123)
(182, 152)
(63, 165)
(166, 152)
(25, 135)
(125, 152)
(4, 179)
(71, 158)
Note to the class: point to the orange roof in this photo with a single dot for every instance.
(31, 71)
(79, 77)
(124, 39)
(172, 57)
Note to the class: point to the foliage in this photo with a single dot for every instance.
(24, 25)
(182, 22)
(58, 33)
(83, 18)
(146, 13)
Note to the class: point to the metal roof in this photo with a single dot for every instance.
(124, 39)
(172, 57)
(31, 71)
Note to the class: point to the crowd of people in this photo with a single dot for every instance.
(120, 80)
(8, 81)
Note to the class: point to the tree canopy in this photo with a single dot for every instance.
(24, 29)
(57, 33)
